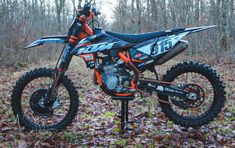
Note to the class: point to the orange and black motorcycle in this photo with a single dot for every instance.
(191, 94)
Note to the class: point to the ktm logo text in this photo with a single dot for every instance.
(96, 47)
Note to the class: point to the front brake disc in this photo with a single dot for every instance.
(37, 103)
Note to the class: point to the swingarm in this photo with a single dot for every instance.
(166, 88)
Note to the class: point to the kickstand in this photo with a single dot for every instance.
(124, 114)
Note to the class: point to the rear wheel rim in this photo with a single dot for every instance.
(202, 81)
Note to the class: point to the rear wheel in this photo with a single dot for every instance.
(28, 101)
(208, 95)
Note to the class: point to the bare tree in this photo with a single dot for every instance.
(138, 3)
(163, 14)
(152, 15)
(76, 6)
(224, 38)
(59, 6)
(154, 11)
(25, 20)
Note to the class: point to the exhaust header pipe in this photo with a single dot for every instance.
(177, 49)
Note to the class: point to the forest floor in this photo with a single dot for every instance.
(97, 122)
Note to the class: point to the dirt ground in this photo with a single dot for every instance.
(97, 122)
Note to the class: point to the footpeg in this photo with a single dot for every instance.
(132, 90)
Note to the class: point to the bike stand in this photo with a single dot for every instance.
(124, 111)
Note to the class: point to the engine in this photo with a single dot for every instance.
(115, 78)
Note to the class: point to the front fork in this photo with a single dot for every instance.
(58, 75)
(63, 65)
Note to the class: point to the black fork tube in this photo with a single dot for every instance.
(67, 56)
(63, 65)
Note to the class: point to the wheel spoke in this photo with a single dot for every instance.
(58, 115)
(194, 81)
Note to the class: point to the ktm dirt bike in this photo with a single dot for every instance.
(191, 94)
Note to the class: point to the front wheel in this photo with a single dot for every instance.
(200, 80)
(28, 96)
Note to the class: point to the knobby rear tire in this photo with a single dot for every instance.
(27, 78)
(218, 87)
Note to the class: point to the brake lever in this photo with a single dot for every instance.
(97, 13)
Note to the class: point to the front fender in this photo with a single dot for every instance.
(62, 39)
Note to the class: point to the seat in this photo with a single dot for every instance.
(137, 38)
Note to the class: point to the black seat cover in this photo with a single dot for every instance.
(137, 38)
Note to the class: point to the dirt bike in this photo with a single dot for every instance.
(190, 94)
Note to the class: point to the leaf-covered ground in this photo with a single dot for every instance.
(97, 122)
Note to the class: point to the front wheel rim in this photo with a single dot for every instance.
(59, 114)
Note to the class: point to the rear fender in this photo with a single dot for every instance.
(198, 29)
(48, 40)
(166, 43)
(163, 48)
(160, 45)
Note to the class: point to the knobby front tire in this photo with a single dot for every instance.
(17, 99)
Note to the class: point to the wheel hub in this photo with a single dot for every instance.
(195, 97)
(192, 96)
(37, 103)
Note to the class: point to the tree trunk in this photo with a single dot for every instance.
(164, 14)
(133, 15)
(59, 6)
(224, 38)
(173, 12)
(139, 15)
(154, 11)
(148, 15)
(231, 19)
(197, 15)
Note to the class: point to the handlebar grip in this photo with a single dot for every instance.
(97, 13)
(86, 10)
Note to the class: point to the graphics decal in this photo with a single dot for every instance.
(167, 44)
(95, 48)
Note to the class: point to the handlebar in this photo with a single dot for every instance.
(87, 10)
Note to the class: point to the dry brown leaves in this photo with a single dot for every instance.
(97, 122)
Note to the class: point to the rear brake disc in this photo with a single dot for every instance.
(190, 103)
